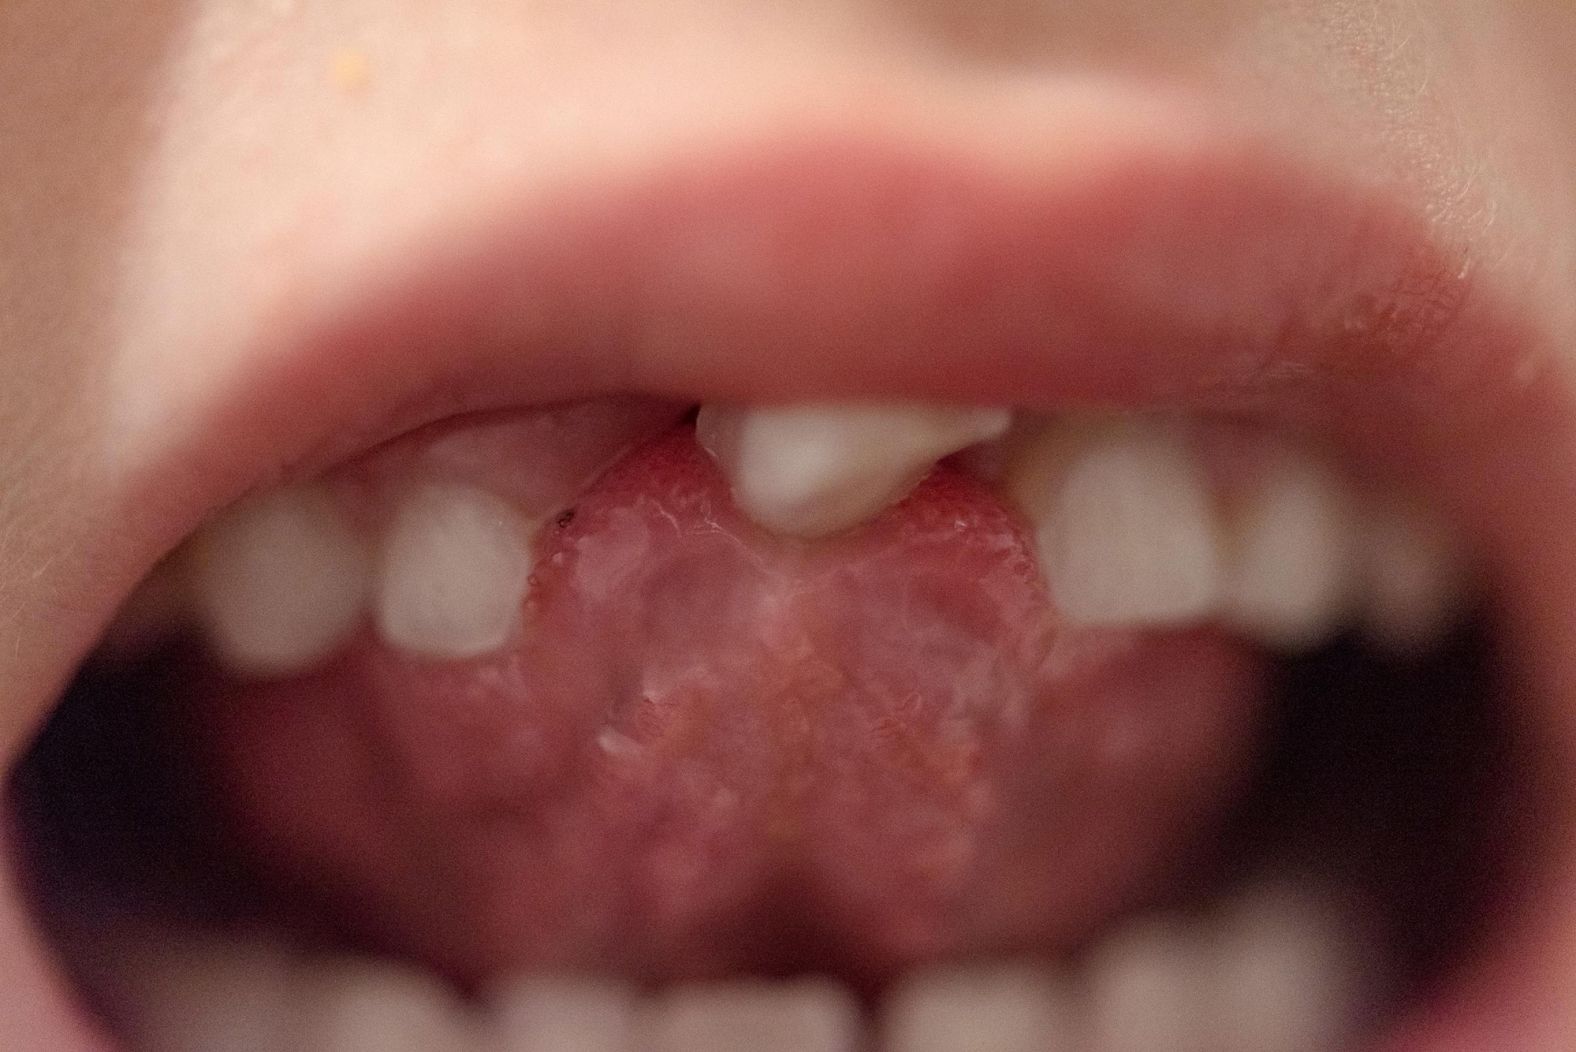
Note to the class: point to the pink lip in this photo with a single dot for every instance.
(1213, 275)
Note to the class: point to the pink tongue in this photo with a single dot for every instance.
(712, 750)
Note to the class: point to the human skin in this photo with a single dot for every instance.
(193, 194)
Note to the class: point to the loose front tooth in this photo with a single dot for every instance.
(539, 1014)
(812, 470)
(453, 575)
(1149, 988)
(1002, 1009)
(804, 1016)
(363, 1007)
(279, 582)
(1125, 527)
(1413, 578)
(1290, 977)
(1292, 544)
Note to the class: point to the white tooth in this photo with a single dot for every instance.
(1413, 578)
(539, 1014)
(803, 1016)
(1290, 978)
(1126, 532)
(367, 1007)
(1007, 1008)
(219, 994)
(280, 582)
(812, 470)
(1149, 988)
(1292, 544)
(454, 570)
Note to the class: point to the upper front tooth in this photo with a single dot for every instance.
(455, 565)
(812, 470)
(1293, 540)
(280, 581)
(1149, 988)
(1125, 527)
(367, 1007)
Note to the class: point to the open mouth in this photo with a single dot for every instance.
(849, 598)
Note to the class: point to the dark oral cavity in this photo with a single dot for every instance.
(709, 750)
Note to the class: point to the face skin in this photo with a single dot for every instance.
(199, 200)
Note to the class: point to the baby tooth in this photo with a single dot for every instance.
(541, 1014)
(1125, 528)
(803, 1016)
(1149, 988)
(366, 1007)
(1006, 1008)
(1413, 579)
(279, 582)
(1292, 543)
(454, 568)
(812, 470)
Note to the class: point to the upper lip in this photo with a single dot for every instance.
(1206, 272)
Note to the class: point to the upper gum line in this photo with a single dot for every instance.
(1141, 520)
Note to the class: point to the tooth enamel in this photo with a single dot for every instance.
(1288, 977)
(1413, 579)
(803, 1016)
(1291, 544)
(1125, 528)
(1006, 1008)
(453, 574)
(209, 994)
(539, 1014)
(812, 470)
(367, 1007)
(279, 582)
(1149, 988)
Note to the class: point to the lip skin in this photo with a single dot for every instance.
(822, 262)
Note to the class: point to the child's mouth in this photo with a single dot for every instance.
(982, 701)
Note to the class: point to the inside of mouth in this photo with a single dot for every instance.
(1364, 782)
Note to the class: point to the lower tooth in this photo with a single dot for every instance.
(454, 568)
(1149, 989)
(1002, 1009)
(563, 1015)
(1290, 974)
(1125, 526)
(279, 582)
(805, 1016)
(360, 1007)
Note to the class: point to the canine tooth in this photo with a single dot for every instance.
(812, 470)
(1413, 579)
(454, 567)
(1124, 523)
(1292, 544)
(362, 1007)
(279, 582)
(803, 1016)
(540, 1014)
(1148, 989)
(1289, 978)
(1009, 1008)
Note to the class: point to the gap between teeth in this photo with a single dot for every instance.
(1133, 528)
(1282, 966)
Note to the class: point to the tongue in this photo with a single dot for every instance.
(714, 750)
